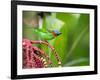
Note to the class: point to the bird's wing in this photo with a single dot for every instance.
(43, 30)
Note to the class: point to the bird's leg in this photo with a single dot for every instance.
(52, 48)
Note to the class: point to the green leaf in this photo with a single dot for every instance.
(53, 23)
(77, 62)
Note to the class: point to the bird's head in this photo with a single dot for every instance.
(56, 32)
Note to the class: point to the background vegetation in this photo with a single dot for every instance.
(72, 45)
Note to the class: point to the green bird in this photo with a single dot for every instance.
(52, 30)
(46, 35)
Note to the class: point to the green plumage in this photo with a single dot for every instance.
(43, 35)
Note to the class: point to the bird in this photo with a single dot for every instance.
(46, 35)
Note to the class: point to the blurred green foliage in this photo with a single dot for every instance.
(72, 45)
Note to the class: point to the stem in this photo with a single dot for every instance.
(43, 53)
(76, 61)
(52, 48)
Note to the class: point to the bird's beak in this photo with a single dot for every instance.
(59, 34)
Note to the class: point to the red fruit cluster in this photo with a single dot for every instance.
(33, 57)
(30, 58)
